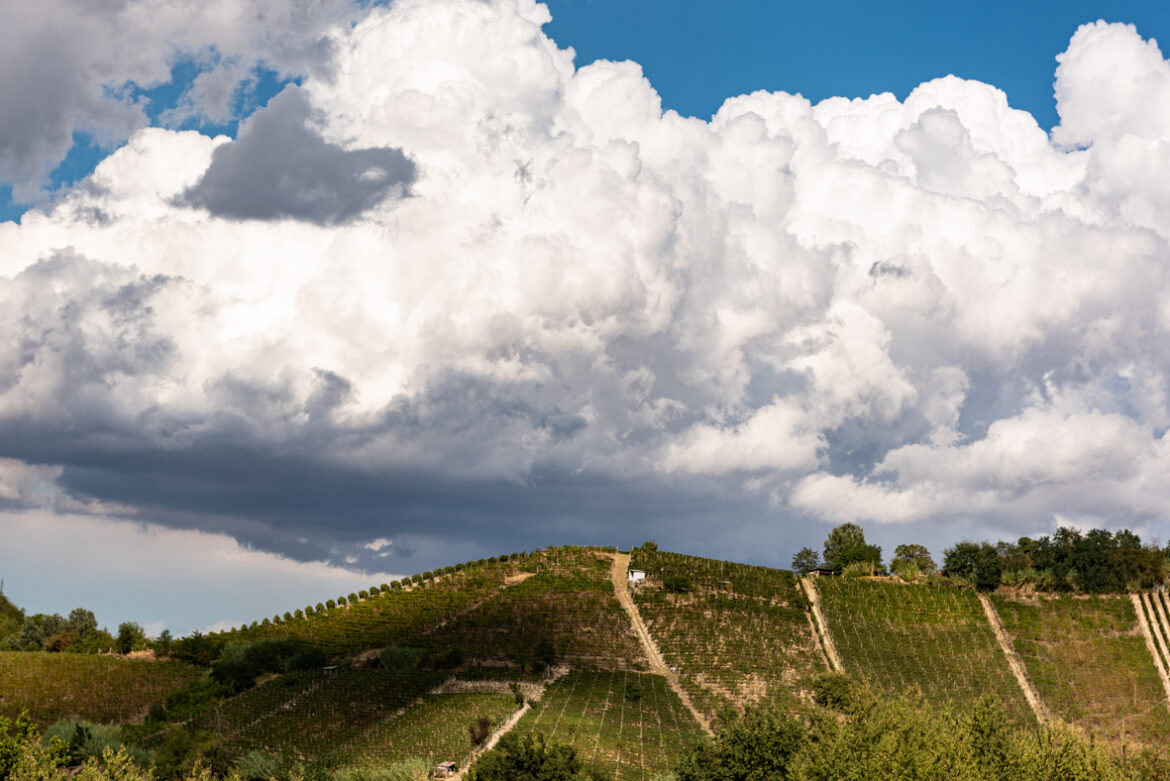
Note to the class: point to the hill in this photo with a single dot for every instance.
(387, 682)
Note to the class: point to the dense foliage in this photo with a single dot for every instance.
(531, 758)
(1093, 562)
(858, 735)
(846, 545)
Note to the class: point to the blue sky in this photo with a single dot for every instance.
(696, 57)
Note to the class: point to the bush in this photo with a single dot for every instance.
(859, 569)
(258, 766)
(399, 657)
(363, 594)
(330, 604)
(649, 546)
(531, 758)
(479, 730)
(676, 584)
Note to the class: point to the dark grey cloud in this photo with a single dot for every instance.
(280, 168)
(73, 66)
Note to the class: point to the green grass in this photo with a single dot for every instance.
(435, 729)
(740, 637)
(1090, 665)
(597, 713)
(102, 689)
(933, 637)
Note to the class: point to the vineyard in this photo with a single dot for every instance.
(568, 603)
(934, 638)
(310, 716)
(628, 724)
(102, 689)
(435, 729)
(392, 615)
(738, 636)
(1088, 660)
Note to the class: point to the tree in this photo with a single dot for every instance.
(130, 637)
(805, 561)
(757, 746)
(846, 545)
(975, 562)
(530, 758)
(913, 556)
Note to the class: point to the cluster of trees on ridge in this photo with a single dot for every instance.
(77, 633)
(1093, 562)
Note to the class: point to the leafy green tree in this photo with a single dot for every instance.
(530, 758)
(757, 746)
(977, 563)
(846, 544)
(130, 637)
(805, 561)
(916, 556)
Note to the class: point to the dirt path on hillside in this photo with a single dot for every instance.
(821, 628)
(1014, 661)
(1148, 634)
(621, 589)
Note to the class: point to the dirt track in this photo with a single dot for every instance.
(621, 589)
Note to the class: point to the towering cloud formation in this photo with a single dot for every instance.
(591, 310)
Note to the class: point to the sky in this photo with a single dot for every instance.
(297, 297)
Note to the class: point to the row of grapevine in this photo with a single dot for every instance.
(310, 716)
(103, 689)
(435, 729)
(738, 636)
(568, 605)
(628, 724)
(1089, 663)
(935, 638)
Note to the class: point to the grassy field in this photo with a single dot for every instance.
(568, 601)
(739, 636)
(628, 724)
(435, 729)
(935, 638)
(102, 689)
(1089, 663)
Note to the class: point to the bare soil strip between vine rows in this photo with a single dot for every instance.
(821, 627)
(1148, 634)
(621, 589)
(1015, 662)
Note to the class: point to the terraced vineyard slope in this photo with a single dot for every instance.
(932, 637)
(1088, 661)
(737, 634)
(104, 689)
(568, 603)
(393, 615)
(628, 724)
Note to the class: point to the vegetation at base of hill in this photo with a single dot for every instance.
(630, 726)
(106, 689)
(934, 637)
(857, 734)
(1089, 663)
(707, 632)
(531, 758)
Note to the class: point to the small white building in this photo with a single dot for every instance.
(636, 576)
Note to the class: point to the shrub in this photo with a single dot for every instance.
(530, 757)
(258, 766)
(479, 730)
(363, 594)
(676, 584)
(399, 657)
(858, 569)
(385, 587)
(341, 600)
(649, 546)
(353, 597)
(330, 604)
